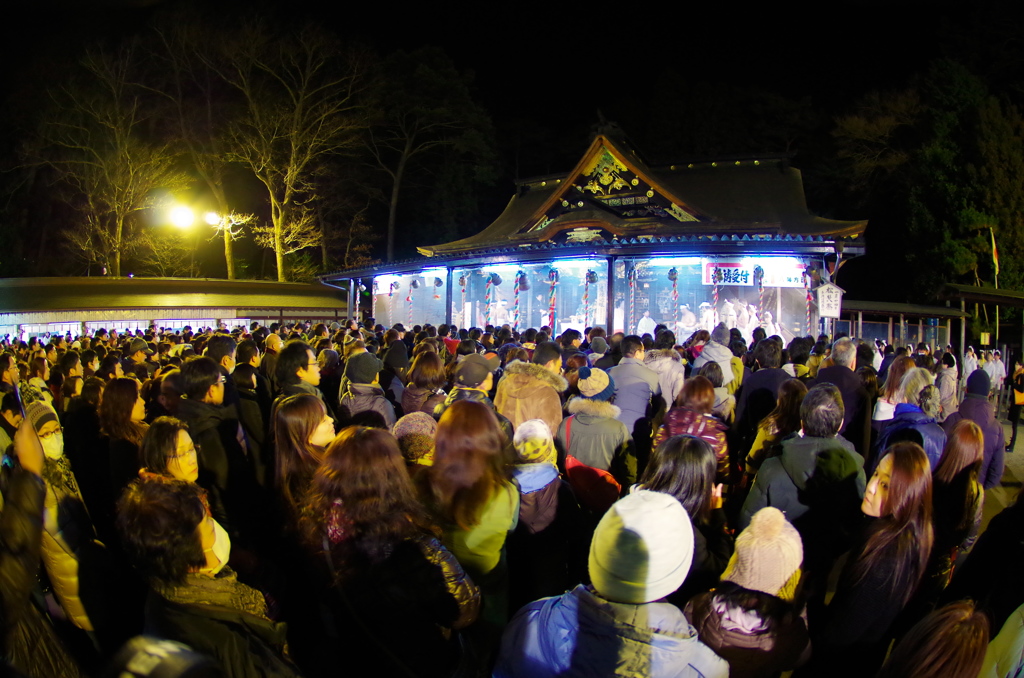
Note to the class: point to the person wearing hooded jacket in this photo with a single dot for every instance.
(619, 625)
(717, 350)
(818, 482)
(362, 391)
(915, 418)
(545, 548)
(533, 390)
(976, 407)
(668, 365)
(593, 434)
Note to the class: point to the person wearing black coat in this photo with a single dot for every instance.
(857, 417)
(756, 398)
(225, 471)
(194, 597)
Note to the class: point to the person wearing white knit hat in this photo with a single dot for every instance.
(750, 620)
(619, 626)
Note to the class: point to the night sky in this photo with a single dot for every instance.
(553, 67)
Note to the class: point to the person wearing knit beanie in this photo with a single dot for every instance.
(768, 556)
(750, 619)
(534, 444)
(641, 552)
(415, 435)
(642, 548)
(595, 383)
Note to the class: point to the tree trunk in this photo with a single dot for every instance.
(279, 252)
(228, 247)
(393, 207)
(117, 248)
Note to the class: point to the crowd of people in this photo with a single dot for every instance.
(314, 500)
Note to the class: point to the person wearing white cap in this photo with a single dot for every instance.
(618, 626)
(750, 620)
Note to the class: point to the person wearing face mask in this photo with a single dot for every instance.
(195, 597)
(883, 571)
(68, 533)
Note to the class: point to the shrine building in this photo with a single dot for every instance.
(619, 243)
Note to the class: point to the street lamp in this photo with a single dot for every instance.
(182, 217)
(212, 218)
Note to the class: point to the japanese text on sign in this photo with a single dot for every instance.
(830, 300)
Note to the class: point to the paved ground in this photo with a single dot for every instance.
(1000, 497)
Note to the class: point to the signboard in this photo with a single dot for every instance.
(830, 300)
(986, 338)
(784, 272)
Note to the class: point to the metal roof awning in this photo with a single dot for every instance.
(982, 295)
(888, 309)
(28, 295)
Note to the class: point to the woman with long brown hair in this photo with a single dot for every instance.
(399, 591)
(302, 431)
(950, 642)
(475, 502)
(884, 571)
(692, 416)
(122, 415)
(780, 422)
(425, 388)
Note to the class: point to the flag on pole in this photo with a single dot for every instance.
(995, 251)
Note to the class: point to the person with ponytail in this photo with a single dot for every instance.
(883, 572)
(915, 418)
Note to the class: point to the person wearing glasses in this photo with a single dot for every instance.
(225, 469)
(298, 372)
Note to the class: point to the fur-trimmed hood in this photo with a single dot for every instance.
(595, 408)
(520, 369)
(661, 359)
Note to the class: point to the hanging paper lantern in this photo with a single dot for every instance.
(588, 280)
(438, 282)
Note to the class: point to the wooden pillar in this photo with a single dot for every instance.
(889, 337)
(949, 331)
(903, 331)
(860, 324)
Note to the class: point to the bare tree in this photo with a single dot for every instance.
(423, 104)
(301, 105)
(201, 114)
(94, 140)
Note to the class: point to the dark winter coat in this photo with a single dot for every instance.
(755, 654)
(755, 401)
(358, 398)
(979, 410)
(856, 404)
(477, 396)
(224, 467)
(245, 645)
(819, 484)
(416, 399)
(547, 550)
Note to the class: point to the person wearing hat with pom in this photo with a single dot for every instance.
(550, 521)
(593, 434)
(619, 625)
(362, 391)
(751, 620)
